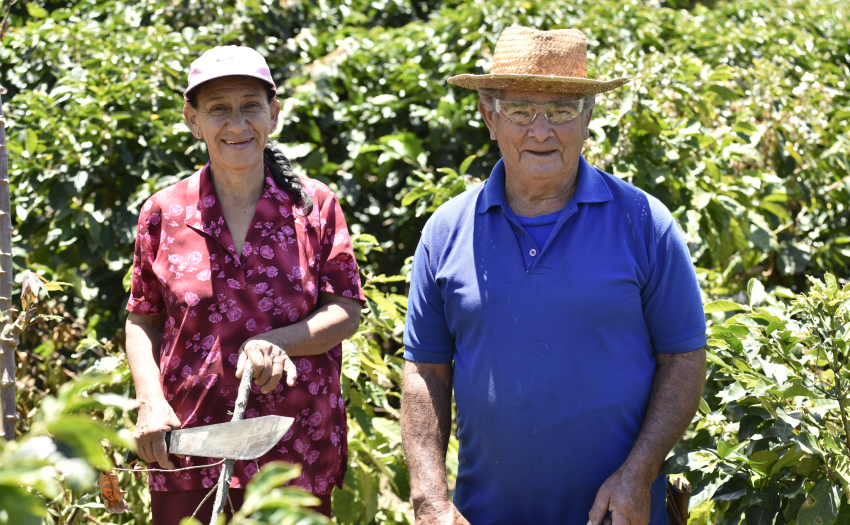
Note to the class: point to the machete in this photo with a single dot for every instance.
(246, 439)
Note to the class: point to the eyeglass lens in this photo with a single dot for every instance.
(555, 112)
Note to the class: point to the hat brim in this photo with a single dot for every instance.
(548, 84)
(204, 79)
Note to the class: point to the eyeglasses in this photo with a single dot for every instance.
(524, 113)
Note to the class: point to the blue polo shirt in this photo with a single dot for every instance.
(553, 346)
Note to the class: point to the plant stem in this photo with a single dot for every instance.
(8, 412)
(844, 419)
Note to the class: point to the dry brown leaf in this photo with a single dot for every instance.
(112, 494)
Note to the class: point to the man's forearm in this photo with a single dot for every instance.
(425, 427)
(673, 401)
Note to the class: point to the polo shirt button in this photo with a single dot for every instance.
(532, 252)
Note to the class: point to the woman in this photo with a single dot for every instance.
(242, 260)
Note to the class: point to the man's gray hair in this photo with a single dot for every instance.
(486, 96)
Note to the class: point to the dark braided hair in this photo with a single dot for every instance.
(284, 177)
(278, 164)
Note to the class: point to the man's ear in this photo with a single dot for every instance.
(489, 119)
(587, 124)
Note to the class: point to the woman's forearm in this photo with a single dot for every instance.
(144, 336)
(336, 319)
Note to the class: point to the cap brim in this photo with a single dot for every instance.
(196, 84)
(549, 84)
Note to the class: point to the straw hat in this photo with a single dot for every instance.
(531, 60)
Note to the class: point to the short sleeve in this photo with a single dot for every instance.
(427, 338)
(672, 304)
(338, 273)
(146, 290)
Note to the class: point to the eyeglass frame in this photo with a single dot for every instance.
(497, 104)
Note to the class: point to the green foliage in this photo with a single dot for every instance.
(54, 458)
(774, 448)
(267, 501)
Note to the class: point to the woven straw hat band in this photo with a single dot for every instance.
(526, 51)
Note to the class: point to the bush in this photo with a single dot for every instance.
(775, 449)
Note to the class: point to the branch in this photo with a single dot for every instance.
(3, 25)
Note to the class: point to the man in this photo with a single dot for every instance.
(566, 300)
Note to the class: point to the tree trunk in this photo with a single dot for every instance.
(8, 412)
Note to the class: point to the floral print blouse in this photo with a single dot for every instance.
(214, 299)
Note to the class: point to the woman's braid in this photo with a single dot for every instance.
(284, 177)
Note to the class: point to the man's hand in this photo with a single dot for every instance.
(155, 419)
(440, 514)
(627, 497)
(269, 362)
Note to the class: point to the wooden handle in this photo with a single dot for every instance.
(227, 469)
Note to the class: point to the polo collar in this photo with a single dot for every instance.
(591, 187)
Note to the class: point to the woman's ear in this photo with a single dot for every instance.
(275, 114)
(191, 116)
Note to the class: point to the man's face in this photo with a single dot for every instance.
(539, 151)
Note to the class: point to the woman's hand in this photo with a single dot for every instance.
(155, 419)
(269, 362)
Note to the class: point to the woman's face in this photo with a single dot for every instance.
(235, 118)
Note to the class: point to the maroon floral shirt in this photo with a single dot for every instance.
(186, 266)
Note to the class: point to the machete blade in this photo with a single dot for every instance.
(246, 439)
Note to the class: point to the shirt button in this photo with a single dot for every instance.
(532, 252)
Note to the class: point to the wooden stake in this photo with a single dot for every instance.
(8, 412)
(227, 469)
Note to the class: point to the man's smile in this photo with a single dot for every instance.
(542, 154)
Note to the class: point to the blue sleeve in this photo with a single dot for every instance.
(672, 305)
(427, 338)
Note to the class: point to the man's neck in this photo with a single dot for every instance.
(530, 198)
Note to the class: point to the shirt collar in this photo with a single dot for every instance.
(275, 208)
(591, 186)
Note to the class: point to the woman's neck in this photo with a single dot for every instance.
(238, 188)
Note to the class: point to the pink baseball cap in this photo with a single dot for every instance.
(225, 61)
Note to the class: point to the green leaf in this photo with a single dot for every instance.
(761, 462)
(703, 406)
(775, 209)
(347, 507)
(375, 394)
(820, 506)
(466, 163)
(732, 392)
(724, 92)
(796, 389)
(36, 11)
(788, 459)
(350, 360)
(270, 476)
(762, 513)
(30, 137)
(706, 488)
(723, 306)
(389, 429)
(755, 292)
